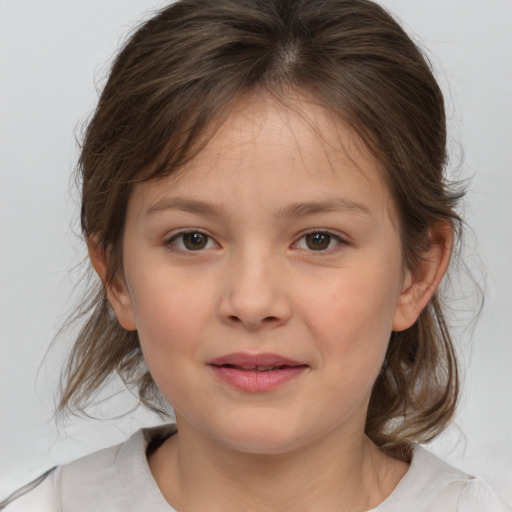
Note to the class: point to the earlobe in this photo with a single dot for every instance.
(116, 289)
(421, 283)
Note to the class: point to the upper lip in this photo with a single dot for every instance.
(245, 360)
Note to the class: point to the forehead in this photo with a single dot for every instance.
(294, 130)
(283, 151)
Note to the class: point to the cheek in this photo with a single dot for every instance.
(352, 319)
(167, 301)
(351, 327)
(160, 317)
(169, 314)
(169, 324)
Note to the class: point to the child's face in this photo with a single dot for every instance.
(251, 278)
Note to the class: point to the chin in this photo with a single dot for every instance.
(261, 436)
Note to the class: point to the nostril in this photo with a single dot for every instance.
(264, 321)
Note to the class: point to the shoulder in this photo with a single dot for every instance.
(37, 496)
(70, 483)
(432, 485)
(478, 496)
(99, 481)
(472, 494)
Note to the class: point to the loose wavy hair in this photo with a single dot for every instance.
(172, 85)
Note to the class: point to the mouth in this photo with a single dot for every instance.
(245, 361)
(260, 368)
(256, 372)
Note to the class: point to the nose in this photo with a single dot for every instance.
(255, 293)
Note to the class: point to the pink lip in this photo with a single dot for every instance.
(240, 370)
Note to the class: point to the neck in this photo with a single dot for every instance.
(342, 473)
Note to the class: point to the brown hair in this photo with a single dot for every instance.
(183, 69)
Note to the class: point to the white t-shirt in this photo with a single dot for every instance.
(118, 479)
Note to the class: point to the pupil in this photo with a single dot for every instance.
(194, 241)
(318, 241)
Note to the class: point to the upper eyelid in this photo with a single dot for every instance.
(180, 232)
(334, 234)
(339, 237)
(170, 238)
(184, 231)
(342, 243)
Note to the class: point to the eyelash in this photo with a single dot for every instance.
(181, 234)
(340, 242)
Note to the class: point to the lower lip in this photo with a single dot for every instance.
(255, 381)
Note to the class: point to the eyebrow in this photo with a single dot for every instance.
(300, 209)
(185, 205)
(314, 207)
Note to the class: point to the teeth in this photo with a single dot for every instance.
(264, 368)
(258, 368)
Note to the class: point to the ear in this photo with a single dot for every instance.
(117, 291)
(421, 283)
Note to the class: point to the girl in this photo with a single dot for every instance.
(263, 200)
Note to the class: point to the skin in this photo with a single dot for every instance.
(258, 287)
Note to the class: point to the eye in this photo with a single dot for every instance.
(191, 241)
(318, 241)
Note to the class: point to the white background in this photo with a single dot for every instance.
(53, 53)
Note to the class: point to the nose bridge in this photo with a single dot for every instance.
(254, 291)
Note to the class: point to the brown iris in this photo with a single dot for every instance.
(318, 241)
(194, 241)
